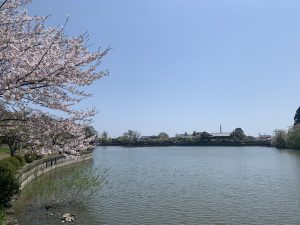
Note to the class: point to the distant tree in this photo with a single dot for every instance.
(13, 139)
(132, 134)
(12, 130)
(194, 133)
(104, 136)
(129, 137)
(90, 131)
(163, 135)
(297, 117)
(293, 138)
(238, 134)
(205, 134)
(279, 139)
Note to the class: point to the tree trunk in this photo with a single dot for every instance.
(12, 151)
(12, 148)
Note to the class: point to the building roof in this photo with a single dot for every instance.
(226, 134)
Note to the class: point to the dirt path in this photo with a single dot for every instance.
(3, 155)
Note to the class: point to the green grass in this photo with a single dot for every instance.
(4, 149)
(4, 153)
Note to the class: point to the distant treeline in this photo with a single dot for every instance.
(289, 139)
(235, 138)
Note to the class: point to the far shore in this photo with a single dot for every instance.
(186, 144)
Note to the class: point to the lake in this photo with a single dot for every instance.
(188, 185)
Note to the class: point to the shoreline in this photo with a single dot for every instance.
(188, 144)
(36, 169)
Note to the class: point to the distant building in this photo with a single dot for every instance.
(264, 137)
(145, 138)
(186, 135)
(220, 135)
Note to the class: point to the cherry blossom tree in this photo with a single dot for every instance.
(44, 133)
(41, 68)
(57, 135)
(42, 65)
(11, 129)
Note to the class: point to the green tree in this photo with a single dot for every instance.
(129, 137)
(132, 134)
(163, 135)
(279, 139)
(297, 117)
(239, 135)
(204, 134)
(8, 184)
(104, 137)
(293, 138)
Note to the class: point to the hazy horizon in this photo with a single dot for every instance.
(188, 65)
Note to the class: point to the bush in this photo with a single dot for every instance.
(8, 184)
(279, 139)
(293, 138)
(30, 157)
(6, 165)
(15, 162)
(39, 156)
(76, 186)
(21, 159)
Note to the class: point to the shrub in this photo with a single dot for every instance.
(21, 159)
(8, 183)
(30, 157)
(76, 186)
(279, 139)
(39, 156)
(6, 165)
(8, 186)
(293, 138)
(15, 162)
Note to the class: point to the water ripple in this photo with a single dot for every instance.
(195, 185)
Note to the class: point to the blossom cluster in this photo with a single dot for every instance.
(41, 68)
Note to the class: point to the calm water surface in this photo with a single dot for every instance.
(189, 185)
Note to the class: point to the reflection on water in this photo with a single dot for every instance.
(188, 185)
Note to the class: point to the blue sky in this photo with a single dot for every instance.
(185, 65)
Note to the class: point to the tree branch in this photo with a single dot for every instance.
(3, 3)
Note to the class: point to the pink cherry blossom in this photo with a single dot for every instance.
(41, 68)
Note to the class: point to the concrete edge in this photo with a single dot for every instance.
(37, 168)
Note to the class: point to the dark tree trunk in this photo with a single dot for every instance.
(12, 151)
(13, 148)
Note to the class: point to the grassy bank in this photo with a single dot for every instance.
(4, 152)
